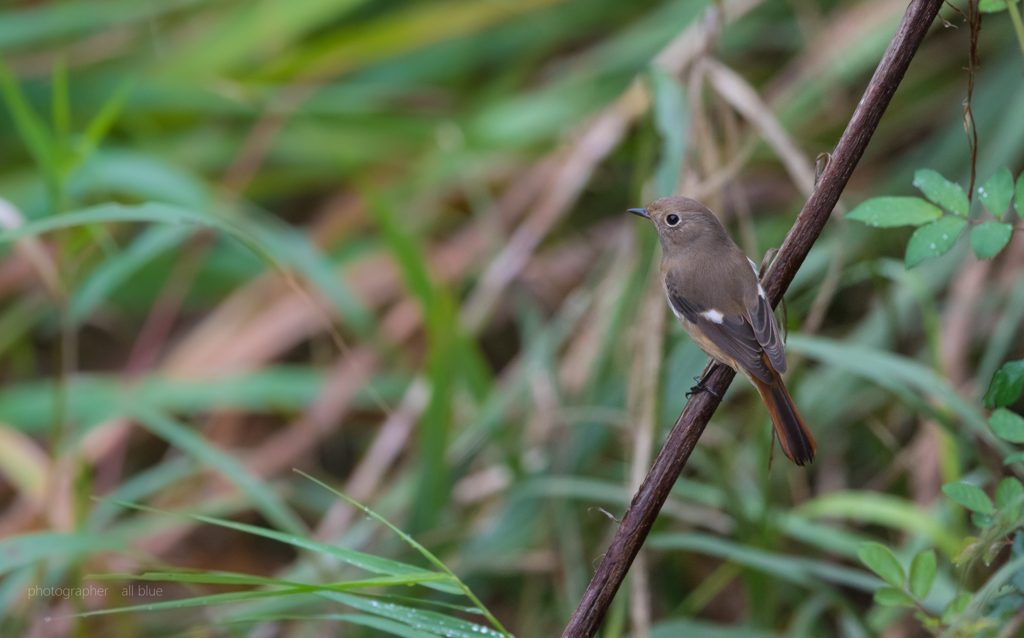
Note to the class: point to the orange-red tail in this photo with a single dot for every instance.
(796, 439)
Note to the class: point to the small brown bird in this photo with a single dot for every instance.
(712, 288)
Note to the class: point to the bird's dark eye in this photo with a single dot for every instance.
(672, 220)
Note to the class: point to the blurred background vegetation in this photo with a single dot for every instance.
(384, 243)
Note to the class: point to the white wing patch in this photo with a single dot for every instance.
(752, 265)
(713, 315)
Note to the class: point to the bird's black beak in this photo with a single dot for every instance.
(640, 211)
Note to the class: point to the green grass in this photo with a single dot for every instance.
(238, 231)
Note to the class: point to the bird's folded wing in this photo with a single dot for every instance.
(733, 334)
(766, 330)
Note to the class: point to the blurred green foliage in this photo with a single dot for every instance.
(385, 243)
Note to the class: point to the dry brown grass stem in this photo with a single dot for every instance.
(266, 318)
(702, 133)
(258, 142)
(744, 98)
(391, 439)
(738, 196)
(561, 192)
(294, 442)
(726, 173)
(576, 162)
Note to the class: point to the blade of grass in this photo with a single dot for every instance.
(394, 34)
(672, 120)
(265, 29)
(881, 509)
(415, 545)
(60, 109)
(25, 549)
(42, 22)
(234, 578)
(394, 628)
(148, 212)
(801, 571)
(368, 562)
(30, 127)
(200, 601)
(438, 309)
(94, 398)
(112, 272)
(291, 247)
(430, 621)
(101, 124)
(139, 486)
(888, 370)
(190, 442)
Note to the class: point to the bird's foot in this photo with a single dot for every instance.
(702, 387)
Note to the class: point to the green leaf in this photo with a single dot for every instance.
(970, 496)
(967, 551)
(1009, 493)
(672, 121)
(983, 521)
(922, 573)
(33, 133)
(893, 597)
(997, 192)
(933, 239)
(929, 622)
(1007, 425)
(881, 560)
(1006, 385)
(886, 212)
(954, 607)
(989, 238)
(943, 192)
(1014, 458)
(992, 6)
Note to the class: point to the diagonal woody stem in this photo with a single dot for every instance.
(642, 512)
